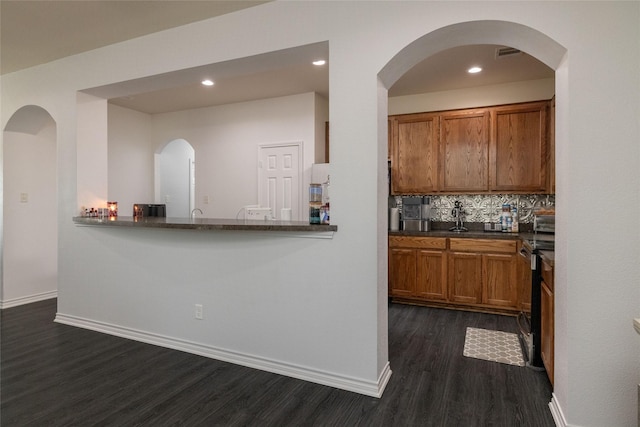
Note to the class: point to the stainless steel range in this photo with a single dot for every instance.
(543, 239)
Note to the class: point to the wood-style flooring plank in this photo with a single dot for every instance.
(58, 375)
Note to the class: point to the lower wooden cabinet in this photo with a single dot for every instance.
(465, 277)
(473, 273)
(499, 285)
(402, 271)
(431, 274)
(417, 267)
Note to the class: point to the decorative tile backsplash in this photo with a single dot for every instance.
(486, 207)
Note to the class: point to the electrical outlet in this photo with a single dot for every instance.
(167, 198)
(198, 312)
(24, 197)
(205, 200)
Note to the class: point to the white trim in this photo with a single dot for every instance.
(356, 385)
(14, 302)
(556, 412)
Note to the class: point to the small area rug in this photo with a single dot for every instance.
(495, 346)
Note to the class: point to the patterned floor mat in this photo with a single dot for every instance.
(495, 346)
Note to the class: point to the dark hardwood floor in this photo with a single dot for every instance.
(58, 375)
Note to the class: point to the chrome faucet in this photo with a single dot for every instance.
(458, 213)
(193, 213)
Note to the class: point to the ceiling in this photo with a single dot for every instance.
(34, 32)
(26, 40)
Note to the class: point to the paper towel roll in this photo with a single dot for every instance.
(285, 214)
(394, 219)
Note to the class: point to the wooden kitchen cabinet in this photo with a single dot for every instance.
(547, 314)
(479, 274)
(465, 277)
(494, 272)
(551, 159)
(402, 272)
(414, 158)
(506, 148)
(464, 151)
(519, 149)
(499, 280)
(431, 280)
(417, 267)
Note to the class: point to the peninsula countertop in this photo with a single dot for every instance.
(206, 224)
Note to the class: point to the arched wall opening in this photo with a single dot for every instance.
(511, 34)
(30, 208)
(175, 178)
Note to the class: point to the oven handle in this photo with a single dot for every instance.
(524, 253)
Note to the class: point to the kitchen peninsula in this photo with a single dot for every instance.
(208, 224)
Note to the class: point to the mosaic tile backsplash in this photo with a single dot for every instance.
(486, 208)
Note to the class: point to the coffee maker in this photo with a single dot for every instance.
(416, 213)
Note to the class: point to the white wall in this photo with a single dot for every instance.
(92, 149)
(130, 158)
(30, 244)
(273, 309)
(322, 117)
(226, 141)
(481, 96)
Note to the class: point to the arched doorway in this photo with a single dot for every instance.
(518, 36)
(175, 178)
(30, 208)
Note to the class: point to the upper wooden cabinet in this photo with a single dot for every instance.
(414, 160)
(464, 151)
(519, 148)
(551, 162)
(484, 150)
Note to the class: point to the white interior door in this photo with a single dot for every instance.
(279, 182)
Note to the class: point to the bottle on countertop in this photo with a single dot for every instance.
(515, 227)
(505, 218)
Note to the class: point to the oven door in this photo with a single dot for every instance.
(529, 323)
(525, 273)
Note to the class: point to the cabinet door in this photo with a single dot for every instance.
(551, 158)
(464, 151)
(465, 277)
(415, 156)
(499, 275)
(547, 329)
(402, 272)
(519, 148)
(432, 275)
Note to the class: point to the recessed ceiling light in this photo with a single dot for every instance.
(474, 70)
(319, 62)
(207, 82)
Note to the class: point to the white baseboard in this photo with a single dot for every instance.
(14, 302)
(556, 412)
(368, 388)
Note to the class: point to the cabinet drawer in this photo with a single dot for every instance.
(547, 275)
(418, 242)
(483, 245)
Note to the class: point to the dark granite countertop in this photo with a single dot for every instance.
(464, 234)
(475, 231)
(206, 224)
